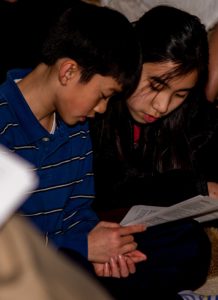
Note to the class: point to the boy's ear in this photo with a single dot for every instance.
(67, 70)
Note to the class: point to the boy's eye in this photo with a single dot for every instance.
(106, 97)
(103, 97)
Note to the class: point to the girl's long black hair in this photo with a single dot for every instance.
(166, 34)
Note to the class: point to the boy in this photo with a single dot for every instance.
(89, 54)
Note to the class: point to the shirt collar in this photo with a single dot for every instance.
(17, 103)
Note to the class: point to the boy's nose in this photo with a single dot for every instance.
(101, 107)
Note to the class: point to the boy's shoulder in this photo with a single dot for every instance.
(5, 111)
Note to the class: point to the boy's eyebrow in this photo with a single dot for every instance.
(110, 94)
(114, 91)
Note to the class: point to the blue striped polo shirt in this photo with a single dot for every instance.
(61, 204)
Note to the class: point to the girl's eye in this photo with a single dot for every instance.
(157, 87)
(182, 95)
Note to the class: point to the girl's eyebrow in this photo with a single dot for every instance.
(161, 81)
(185, 89)
(158, 80)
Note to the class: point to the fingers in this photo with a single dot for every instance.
(127, 239)
(107, 270)
(126, 266)
(115, 269)
(131, 265)
(99, 269)
(136, 256)
(126, 230)
(121, 266)
(108, 224)
(128, 248)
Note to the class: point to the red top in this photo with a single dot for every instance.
(136, 132)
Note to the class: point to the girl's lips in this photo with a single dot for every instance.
(149, 119)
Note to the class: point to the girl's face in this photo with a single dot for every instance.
(155, 98)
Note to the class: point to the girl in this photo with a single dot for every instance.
(144, 148)
(152, 149)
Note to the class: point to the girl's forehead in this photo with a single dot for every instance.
(159, 68)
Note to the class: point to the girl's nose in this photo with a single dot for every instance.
(161, 103)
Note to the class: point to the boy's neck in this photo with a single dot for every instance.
(36, 90)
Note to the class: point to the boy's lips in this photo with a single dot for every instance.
(82, 119)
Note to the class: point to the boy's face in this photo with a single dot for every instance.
(78, 100)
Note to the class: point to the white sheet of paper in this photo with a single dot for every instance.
(139, 211)
(202, 208)
(17, 180)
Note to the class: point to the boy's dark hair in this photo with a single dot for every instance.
(101, 40)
